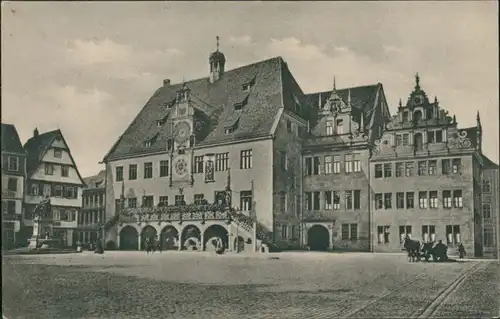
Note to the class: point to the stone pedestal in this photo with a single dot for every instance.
(36, 234)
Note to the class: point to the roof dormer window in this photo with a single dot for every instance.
(230, 129)
(247, 86)
(240, 105)
(150, 141)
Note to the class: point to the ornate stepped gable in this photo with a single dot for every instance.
(426, 127)
(239, 104)
(354, 105)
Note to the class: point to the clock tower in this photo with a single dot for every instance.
(183, 141)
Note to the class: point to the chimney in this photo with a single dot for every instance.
(35, 132)
(166, 82)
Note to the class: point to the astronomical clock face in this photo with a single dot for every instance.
(181, 166)
(182, 131)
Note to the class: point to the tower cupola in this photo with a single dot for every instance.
(217, 61)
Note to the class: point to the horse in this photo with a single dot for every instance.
(413, 249)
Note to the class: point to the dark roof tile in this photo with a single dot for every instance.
(10, 139)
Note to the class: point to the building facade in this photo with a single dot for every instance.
(13, 181)
(92, 215)
(52, 172)
(490, 209)
(329, 170)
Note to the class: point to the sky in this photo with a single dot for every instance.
(87, 68)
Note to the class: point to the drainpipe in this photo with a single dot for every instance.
(370, 217)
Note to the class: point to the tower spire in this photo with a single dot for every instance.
(417, 81)
(217, 38)
(334, 85)
(349, 98)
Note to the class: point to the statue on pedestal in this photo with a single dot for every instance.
(42, 209)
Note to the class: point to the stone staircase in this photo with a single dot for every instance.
(263, 236)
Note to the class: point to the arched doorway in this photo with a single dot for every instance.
(147, 233)
(418, 141)
(318, 238)
(129, 238)
(169, 237)
(190, 238)
(212, 235)
(239, 244)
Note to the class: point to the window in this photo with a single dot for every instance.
(486, 186)
(455, 166)
(422, 200)
(57, 153)
(132, 171)
(379, 203)
(282, 202)
(336, 200)
(399, 169)
(284, 161)
(400, 200)
(245, 160)
(163, 201)
(428, 233)
(308, 166)
(445, 166)
(179, 200)
(328, 165)
(289, 126)
(147, 201)
(447, 199)
(383, 234)
(328, 200)
(432, 167)
(408, 169)
(452, 234)
(348, 199)
(431, 137)
(336, 164)
(349, 158)
(35, 190)
(433, 199)
(488, 237)
(164, 167)
(308, 200)
(403, 232)
(148, 170)
(378, 171)
(487, 211)
(387, 169)
(316, 199)
(357, 199)
(388, 200)
(422, 168)
(293, 232)
(340, 127)
(418, 141)
(70, 192)
(439, 136)
(132, 202)
(64, 171)
(329, 128)
(284, 232)
(345, 231)
(12, 184)
(457, 199)
(410, 200)
(47, 190)
(199, 199)
(356, 165)
(246, 200)
(399, 139)
(13, 164)
(58, 191)
(119, 173)
(221, 162)
(405, 116)
(316, 166)
(49, 169)
(406, 139)
(354, 232)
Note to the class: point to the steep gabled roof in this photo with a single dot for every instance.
(91, 181)
(215, 105)
(37, 146)
(488, 164)
(10, 139)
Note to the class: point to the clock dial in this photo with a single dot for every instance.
(181, 166)
(182, 131)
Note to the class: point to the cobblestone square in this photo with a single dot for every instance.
(285, 285)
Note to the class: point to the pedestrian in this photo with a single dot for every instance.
(461, 251)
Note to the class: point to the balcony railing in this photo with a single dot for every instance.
(11, 217)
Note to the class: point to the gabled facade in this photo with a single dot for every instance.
(336, 151)
(425, 181)
(13, 184)
(52, 172)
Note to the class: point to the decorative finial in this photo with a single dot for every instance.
(334, 85)
(349, 98)
(417, 81)
(454, 119)
(217, 38)
(400, 103)
(435, 99)
(319, 100)
(477, 116)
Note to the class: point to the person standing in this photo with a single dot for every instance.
(461, 251)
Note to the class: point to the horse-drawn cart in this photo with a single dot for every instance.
(417, 250)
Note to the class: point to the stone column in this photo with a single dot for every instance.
(254, 239)
(330, 231)
(230, 238)
(180, 239)
(139, 244)
(202, 239)
(70, 237)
